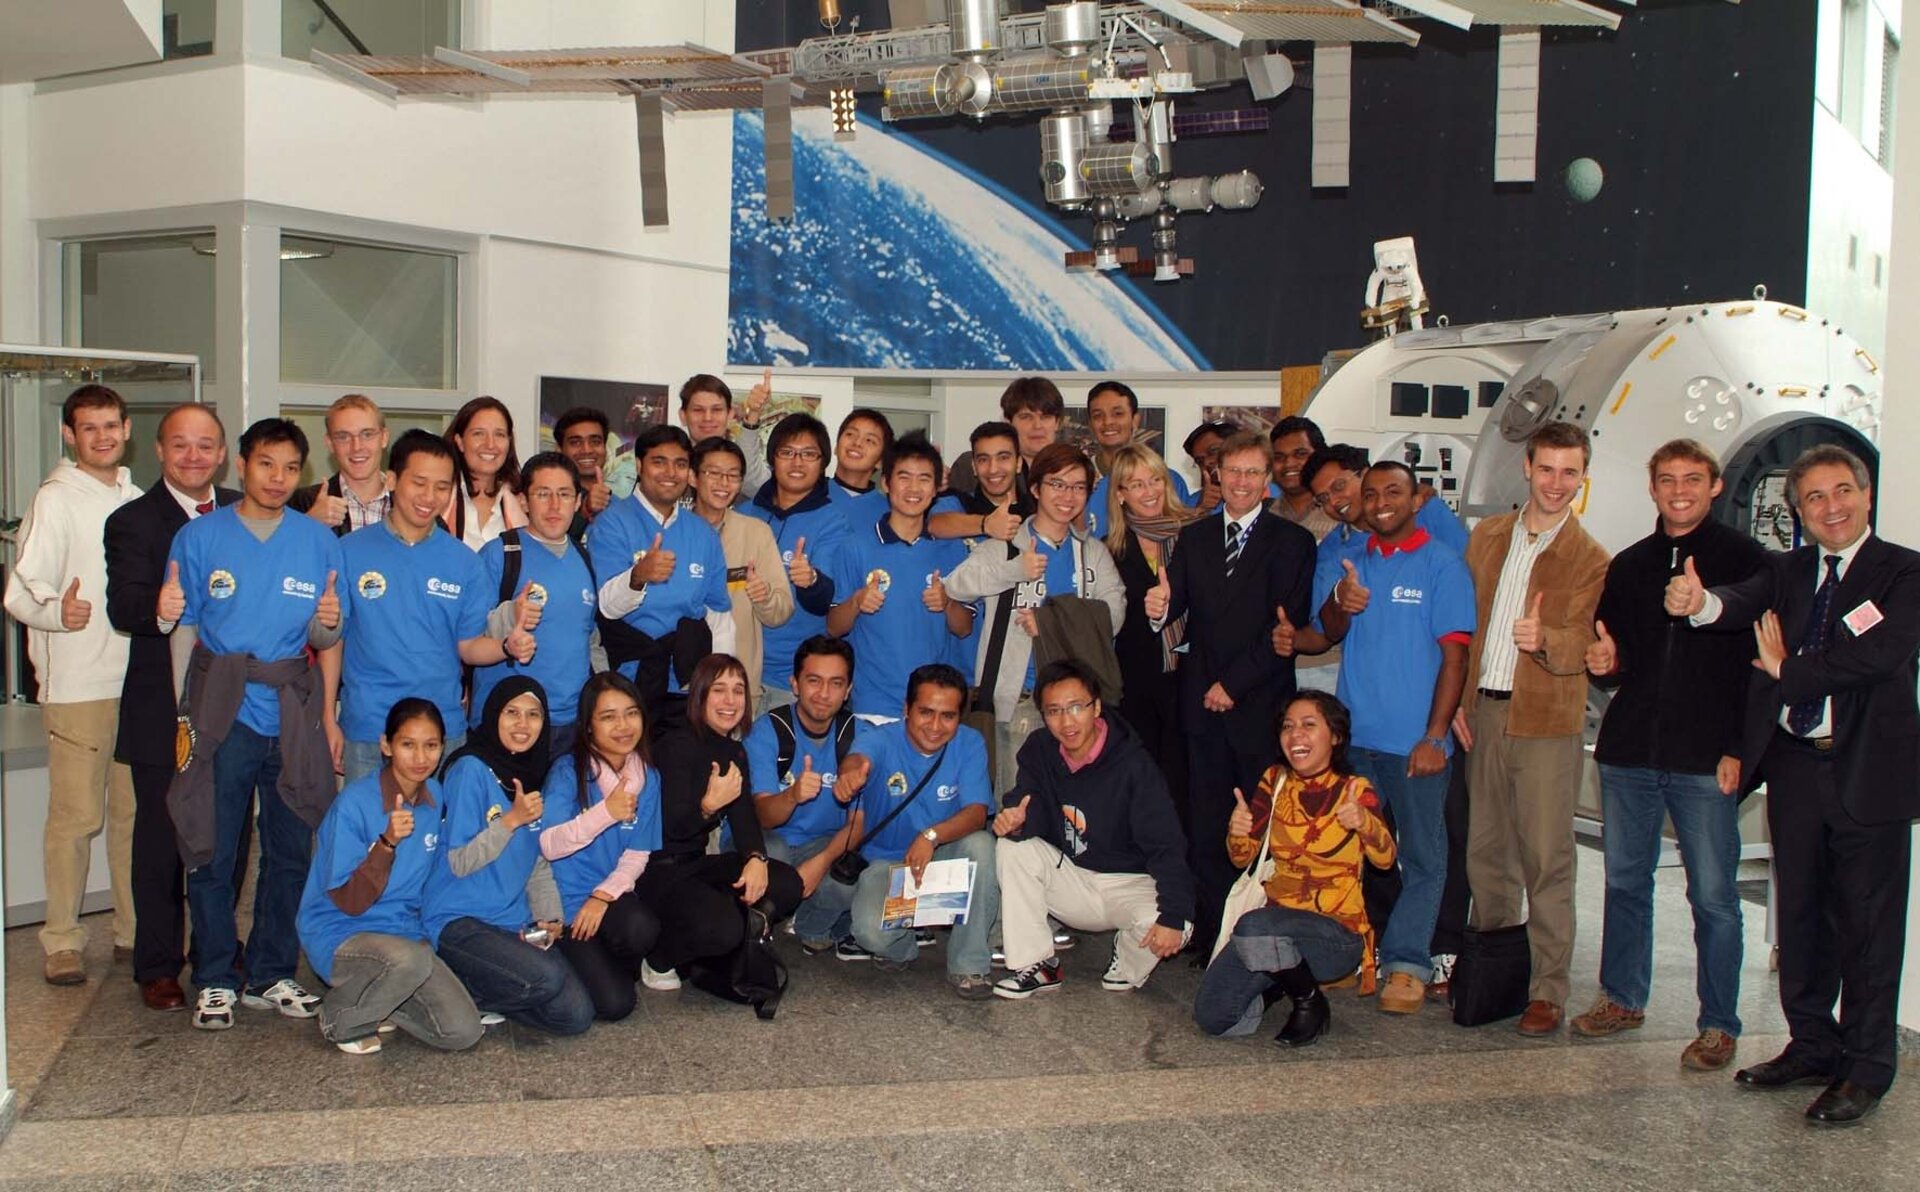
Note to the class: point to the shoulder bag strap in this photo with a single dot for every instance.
(904, 803)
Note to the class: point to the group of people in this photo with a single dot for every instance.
(520, 746)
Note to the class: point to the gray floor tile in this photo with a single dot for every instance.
(820, 1165)
(692, 1169)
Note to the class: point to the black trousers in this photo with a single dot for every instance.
(1152, 709)
(1456, 898)
(1840, 890)
(1216, 764)
(609, 963)
(699, 910)
(160, 880)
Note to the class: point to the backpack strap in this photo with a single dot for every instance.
(509, 565)
(785, 743)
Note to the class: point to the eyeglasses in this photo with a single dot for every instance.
(1143, 485)
(805, 455)
(1065, 486)
(1337, 487)
(554, 494)
(344, 437)
(1075, 711)
(719, 477)
(1243, 473)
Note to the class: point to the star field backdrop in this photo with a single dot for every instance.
(909, 254)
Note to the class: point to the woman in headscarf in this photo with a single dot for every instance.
(491, 907)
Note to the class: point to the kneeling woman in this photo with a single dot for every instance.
(1317, 817)
(492, 885)
(360, 913)
(604, 800)
(703, 778)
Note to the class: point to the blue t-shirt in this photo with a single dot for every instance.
(580, 873)
(245, 596)
(356, 819)
(698, 584)
(961, 781)
(1097, 524)
(412, 607)
(889, 644)
(822, 814)
(496, 893)
(562, 661)
(1348, 542)
(858, 507)
(824, 526)
(1391, 654)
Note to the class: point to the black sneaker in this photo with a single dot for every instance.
(1030, 980)
(846, 949)
(923, 937)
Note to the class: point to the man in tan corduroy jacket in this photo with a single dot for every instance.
(1537, 576)
(756, 576)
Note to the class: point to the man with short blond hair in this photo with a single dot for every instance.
(358, 494)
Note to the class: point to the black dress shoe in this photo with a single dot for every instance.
(1843, 1103)
(1781, 1071)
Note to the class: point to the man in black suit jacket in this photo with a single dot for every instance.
(192, 447)
(1833, 729)
(1229, 574)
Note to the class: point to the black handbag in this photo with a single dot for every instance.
(1491, 976)
(753, 975)
(848, 866)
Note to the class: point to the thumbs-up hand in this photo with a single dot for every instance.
(1033, 563)
(935, 594)
(327, 609)
(854, 769)
(624, 803)
(399, 821)
(1158, 596)
(328, 510)
(527, 807)
(806, 785)
(723, 787)
(173, 598)
(1012, 819)
(1003, 523)
(1349, 814)
(520, 642)
(654, 566)
(759, 591)
(872, 595)
(1350, 594)
(761, 394)
(1283, 632)
(800, 567)
(74, 612)
(599, 493)
(1686, 595)
(1240, 823)
(1603, 655)
(527, 609)
(1527, 633)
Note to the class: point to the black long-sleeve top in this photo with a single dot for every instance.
(686, 758)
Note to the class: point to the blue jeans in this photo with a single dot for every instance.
(1708, 826)
(247, 762)
(858, 910)
(361, 758)
(1270, 940)
(1420, 831)
(825, 916)
(507, 975)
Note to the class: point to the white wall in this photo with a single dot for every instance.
(1850, 202)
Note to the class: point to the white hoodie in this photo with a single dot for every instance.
(63, 537)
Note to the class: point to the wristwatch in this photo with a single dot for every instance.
(932, 837)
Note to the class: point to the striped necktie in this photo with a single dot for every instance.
(1804, 717)
(1236, 540)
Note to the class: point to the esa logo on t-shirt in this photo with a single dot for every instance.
(221, 585)
(371, 585)
(444, 589)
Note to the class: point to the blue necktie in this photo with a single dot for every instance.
(1803, 716)
(1236, 538)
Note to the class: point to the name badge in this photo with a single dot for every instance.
(1863, 618)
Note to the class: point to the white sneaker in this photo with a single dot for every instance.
(285, 996)
(652, 978)
(489, 1018)
(1113, 982)
(363, 1046)
(214, 1009)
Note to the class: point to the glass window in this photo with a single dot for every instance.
(140, 293)
(186, 28)
(368, 316)
(313, 423)
(368, 26)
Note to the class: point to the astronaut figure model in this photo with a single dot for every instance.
(1394, 297)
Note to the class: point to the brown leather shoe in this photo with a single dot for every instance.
(1540, 1020)
(1712, 1051)
(163, 993)
(64, 968)
(1403, 993)
(1607, 1017)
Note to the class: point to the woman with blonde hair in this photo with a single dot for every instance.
(1145, 514)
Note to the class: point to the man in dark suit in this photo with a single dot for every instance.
(192, 447)
(1229, 574)
(1833, 729)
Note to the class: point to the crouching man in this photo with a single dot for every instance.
(1089, 836)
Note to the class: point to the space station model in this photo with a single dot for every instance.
(1105, 78)
(1395, 298)
(1756, 381)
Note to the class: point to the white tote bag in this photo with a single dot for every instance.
(1249, 892)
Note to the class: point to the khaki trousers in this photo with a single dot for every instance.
(89, 791)
(1036, 880)
(1521, 795)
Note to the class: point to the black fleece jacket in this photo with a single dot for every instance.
(1114, 816)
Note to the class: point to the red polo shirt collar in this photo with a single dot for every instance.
(1414, 542)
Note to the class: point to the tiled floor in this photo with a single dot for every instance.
(877, 1080)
